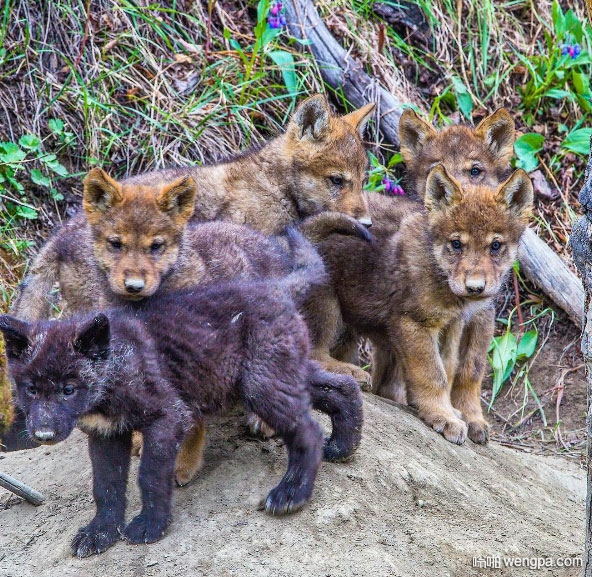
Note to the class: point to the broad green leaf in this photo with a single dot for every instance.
(503, 359)
(463, 98)
(581, 82)
(578, 141)
(396, 158)
(285, 61)
(26, 212)
(527, 345)
(526, 148)
(30, 141)
(558, 19)
(57, 167)
(56, 125)
(11, 153)
(39, 178)
(558, 94)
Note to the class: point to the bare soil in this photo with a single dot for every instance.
(409, 504)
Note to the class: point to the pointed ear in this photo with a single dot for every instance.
(441, 189)
(16, 336)
(497, 130)
(93, 338)
(312, 118)
(517, 195)
(413, 134)
(178, 199)
(358, 118)
(101, 192)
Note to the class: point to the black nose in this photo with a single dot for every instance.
(44, 435)
(475, 290)
(134, 285)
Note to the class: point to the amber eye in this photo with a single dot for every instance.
(475, 172)
(456, 244)
(68, 390)
(336, 180)
(495, 246)
(156, 246)
(115, 244)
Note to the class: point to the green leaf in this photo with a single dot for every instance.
(396, 158)
(463, 98)
(30, 141)
(285, 61)
(581, 82)
(578, 141)
(57, 167)
(56, 125)
(11, 153)
(39, 178)
(527, 345)
(558, 94)
(26, 212)
(526, 148)
(503, 360)
(558, 19)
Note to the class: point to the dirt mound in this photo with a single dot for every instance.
(409, 504)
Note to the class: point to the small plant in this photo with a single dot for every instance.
(380, 177)
(14, 158)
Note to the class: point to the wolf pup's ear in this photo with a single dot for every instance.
(312, 118)
(178, 198)
(413, 134)
(497, 130)
(517, 194)
(93, 338)
(16, 336)
(101, 192)
(441, 189)
(358, 118)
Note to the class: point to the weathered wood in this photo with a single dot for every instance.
(581, 245)
(20, 489)
(539, 262)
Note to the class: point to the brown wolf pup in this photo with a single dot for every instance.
(478, 155)
(136, 240)
(166, 364)
(318, 164)
(424, 292)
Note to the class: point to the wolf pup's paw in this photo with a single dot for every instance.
(95, 538)
(479, 431)
(283, 502)
(454, 430)
(145, 529)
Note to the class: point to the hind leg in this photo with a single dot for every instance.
(190, 457)
(339, 397)
(387, 375)
(284, 404)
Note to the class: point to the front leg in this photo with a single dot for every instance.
(161, 443)
(425, 376)
(466, 388)
(110, 458)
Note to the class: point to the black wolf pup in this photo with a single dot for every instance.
(160, 368)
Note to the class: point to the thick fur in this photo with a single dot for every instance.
(424, 292)
(318, 164)
(133, 241)
(473, 156)
(161, 368)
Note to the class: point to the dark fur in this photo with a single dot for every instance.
(220, 344)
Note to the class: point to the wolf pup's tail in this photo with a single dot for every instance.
(34, 300)
(339, 397)
(318, 227)
(306, 266)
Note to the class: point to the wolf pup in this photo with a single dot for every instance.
(162, 367)
(424, 292)
(133, 241)
(473, 156)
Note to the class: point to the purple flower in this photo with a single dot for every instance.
(577, 49)
(276, 17)
(392, 187)
(573, 51)
(564, 50)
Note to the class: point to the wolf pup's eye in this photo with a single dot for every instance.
(336, 180)
(68, 390)
(115, 244)
(475, 172)
(31, 390)
(456, 244)
(156, 246)
(495, 246)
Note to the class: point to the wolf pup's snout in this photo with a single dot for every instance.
(134, 285)
(475, 286)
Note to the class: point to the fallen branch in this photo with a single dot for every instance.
(20, 489)
(541, 265)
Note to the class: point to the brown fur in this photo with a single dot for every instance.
(318, 164)
(426, 306)
(486, 150)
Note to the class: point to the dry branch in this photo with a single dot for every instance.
(540, 263)
(20, 489)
